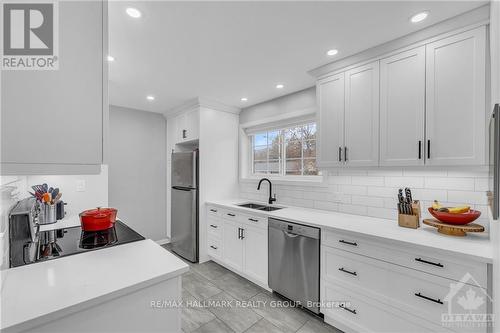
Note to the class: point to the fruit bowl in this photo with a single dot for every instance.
(459, 219)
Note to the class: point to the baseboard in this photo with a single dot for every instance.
(163, 241)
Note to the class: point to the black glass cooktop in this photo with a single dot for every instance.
(64, 242)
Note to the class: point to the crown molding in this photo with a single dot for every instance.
(200, 102)
(475, 17)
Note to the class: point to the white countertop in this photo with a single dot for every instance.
(476, 246)
(67, 222)
(37, 293)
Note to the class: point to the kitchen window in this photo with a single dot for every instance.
(288, 151)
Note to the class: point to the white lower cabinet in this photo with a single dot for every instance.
(233, 245)
(384, 295)
(239, 242)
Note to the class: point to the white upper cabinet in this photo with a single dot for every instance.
(187, 126)
(361, 117)
(52, 121)
(426, 104)
(402, 108)
(330, 93)
(455, 99)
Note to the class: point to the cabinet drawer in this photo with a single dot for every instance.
(418, 293)
(230, 215)
(423, 259)
(358, 314)
(213, 211)
(214, 247)
(255, 221)
(214, 227)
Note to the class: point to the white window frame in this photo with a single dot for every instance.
(288, 179)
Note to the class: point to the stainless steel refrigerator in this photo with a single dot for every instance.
(494, 181)
(184, 204)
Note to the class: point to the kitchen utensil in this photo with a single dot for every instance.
(98, 219)
(454, 230)
(457, 219)
(57, 197)
(55, 192)
(60, 213)
(47, 214)
(401, 204)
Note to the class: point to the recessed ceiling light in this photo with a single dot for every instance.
(419, 17)
(279, 86)
(133, 12)
(244, 99)
(150, 98)
(332, 52)
(111, 58)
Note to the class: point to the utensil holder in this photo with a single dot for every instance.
(411, 221)
(47, 214)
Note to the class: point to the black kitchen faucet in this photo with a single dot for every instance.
(271, 198)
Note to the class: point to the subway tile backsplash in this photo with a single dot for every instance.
(373, 192)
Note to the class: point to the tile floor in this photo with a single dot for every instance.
(210, 282)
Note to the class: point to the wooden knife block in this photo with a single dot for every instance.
(411, 221)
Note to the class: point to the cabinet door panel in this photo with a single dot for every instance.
(362, 115)
(330, 119)
(256, 253)
(455, 99)
(56, 117)
(402, 108)
(232, 246)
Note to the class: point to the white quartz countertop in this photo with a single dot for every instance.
(35, 294)
(476, 246)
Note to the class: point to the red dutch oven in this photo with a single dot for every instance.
(98, 219)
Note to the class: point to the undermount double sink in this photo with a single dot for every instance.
(257, 206)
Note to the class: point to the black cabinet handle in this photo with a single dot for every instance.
(428, 148)
(213, 210)
(429, 298)
(419, 149)
(345, 154)
(242, 233)
(347, 309)
(253, 220)
(429, 262)
(231, 214)
(340, 154)
(348, 272)
(239, 233)
(213, 226)
(348, 243)
(184, 133)
(213, 247)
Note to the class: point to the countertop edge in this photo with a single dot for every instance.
(40, 320)
(228, 205)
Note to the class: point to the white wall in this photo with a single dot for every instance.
(94, 195)
(137, 170)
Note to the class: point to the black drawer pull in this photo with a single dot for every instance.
(348, 243)
(253, 220)
(231, 214)
(213, 210)
(419, 150)
(347, 309)
(213, 226)
(340, 154)
(213, 247)
(348, 272)
(429, 262)
(428, 298)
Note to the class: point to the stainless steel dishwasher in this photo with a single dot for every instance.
(294, 262)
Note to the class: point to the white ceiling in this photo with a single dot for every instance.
(227, 50)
